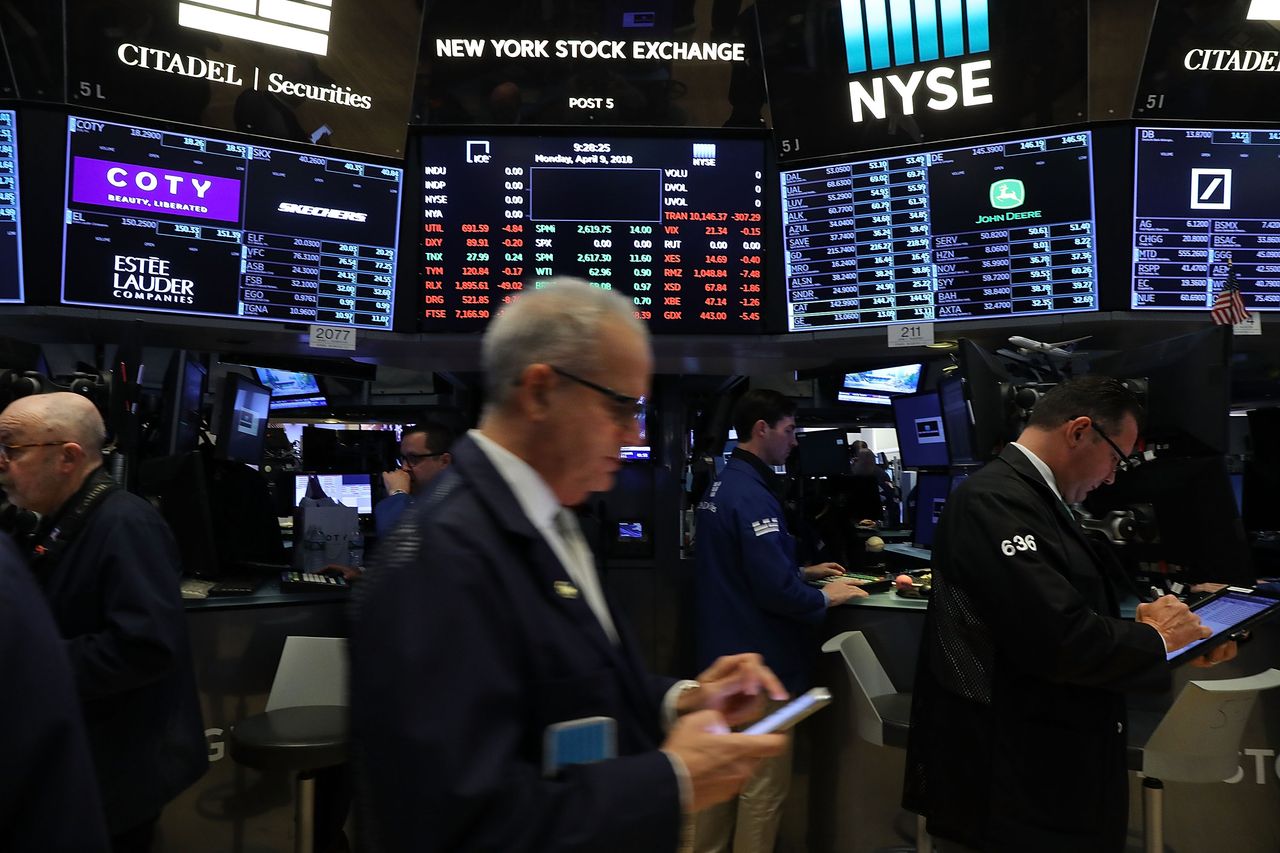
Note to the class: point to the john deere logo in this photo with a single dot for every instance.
(1008, 194)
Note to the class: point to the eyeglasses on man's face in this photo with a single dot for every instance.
(1123, 462)
(7, 454)
(408, 460)
(626, 408)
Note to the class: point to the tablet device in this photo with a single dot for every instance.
(1227, 611)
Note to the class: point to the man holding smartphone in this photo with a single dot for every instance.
(485, 624)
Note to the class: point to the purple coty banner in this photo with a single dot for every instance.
(154, 190)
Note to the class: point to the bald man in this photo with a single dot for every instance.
(108, 566)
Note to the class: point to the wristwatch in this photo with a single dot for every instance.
(395, 492)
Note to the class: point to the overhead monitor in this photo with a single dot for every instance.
(1004, 229)
(902, 379)
(1204, 208)
(178, 223)
(675, 223)
(10, 211)
(291, 389)
(922, 436)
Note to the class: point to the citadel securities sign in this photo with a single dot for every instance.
(853, 75)
(1212, 62)
(330, 72)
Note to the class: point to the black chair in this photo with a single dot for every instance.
(304, 729)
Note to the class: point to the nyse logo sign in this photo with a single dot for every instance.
(291, 24)
(1211, 189)
(881, 34)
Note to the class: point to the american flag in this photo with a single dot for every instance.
(1228, 308)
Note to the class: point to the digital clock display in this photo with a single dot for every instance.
(675, 224)
(997, 230)
(166, 222)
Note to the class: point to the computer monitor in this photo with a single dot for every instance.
(182, 398)
(291, 389)
(987, 389)
(932, 490)
(956, 421)
(354, 490)
(902, 379)
(922, 438)
(1187, 389)
(241, 420)
(821, 453)
(1191, 517)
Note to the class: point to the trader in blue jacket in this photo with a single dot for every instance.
(485, 628)
(751, 595)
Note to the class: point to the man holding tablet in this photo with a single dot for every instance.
(1018, 721)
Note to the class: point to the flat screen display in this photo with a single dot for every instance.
(675, 224)
(291, 389)
(902, 379)
(185, 224)
(355, 490)
(999, 230)
(922, 437)
(864, 397)
(1204, 198)
(932, 491)
(10, 211)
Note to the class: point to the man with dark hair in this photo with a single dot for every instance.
(424, 455)
(1018, 719)
(751, 595)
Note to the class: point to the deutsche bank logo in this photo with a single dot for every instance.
(292, 24)
(1211, 189)
(1264, 10)
(917, 30)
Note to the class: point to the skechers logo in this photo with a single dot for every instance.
(325, 212)
(765, 526)
(291, 24)
(877, 38)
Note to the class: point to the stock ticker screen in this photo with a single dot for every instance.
(186, 224)
(675, 224)
(998, 230)
(10, 218)
(1205, 199)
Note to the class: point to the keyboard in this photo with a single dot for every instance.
(309, 582)
(235, 586)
